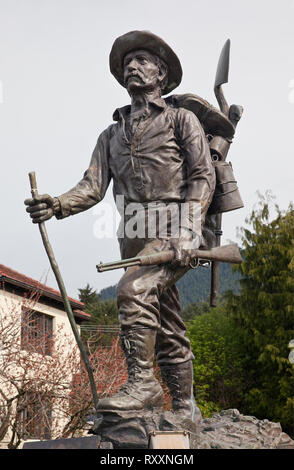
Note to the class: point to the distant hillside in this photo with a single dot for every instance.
(195, 285)
(108, 293)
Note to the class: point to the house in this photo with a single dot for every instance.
(37, 353)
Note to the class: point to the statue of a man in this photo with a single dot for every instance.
(154, 153)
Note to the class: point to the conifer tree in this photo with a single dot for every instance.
(264, 310)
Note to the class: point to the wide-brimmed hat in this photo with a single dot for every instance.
(148, 41)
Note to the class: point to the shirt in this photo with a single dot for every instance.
(167, 159)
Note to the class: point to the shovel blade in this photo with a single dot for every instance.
(222, 71)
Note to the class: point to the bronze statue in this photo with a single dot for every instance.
(156, 152)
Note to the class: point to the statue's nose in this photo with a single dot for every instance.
(132, 65)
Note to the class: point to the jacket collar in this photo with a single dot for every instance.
(122, 113)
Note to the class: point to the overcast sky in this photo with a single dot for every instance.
(57, 94)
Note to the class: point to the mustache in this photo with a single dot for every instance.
(133, 74)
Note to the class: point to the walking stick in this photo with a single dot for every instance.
(64, 295)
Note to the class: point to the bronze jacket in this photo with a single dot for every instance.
(167, 159)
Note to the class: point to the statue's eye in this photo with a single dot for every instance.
(142, 60)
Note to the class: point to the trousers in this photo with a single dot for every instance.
(148, 298)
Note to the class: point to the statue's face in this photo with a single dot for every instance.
(141, 71)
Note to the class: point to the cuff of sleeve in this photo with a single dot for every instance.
(60, 209)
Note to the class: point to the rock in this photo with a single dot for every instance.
(227, 429)
(170, 421)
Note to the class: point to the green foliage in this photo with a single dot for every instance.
(264, 310)
(103, 312)
(104, 316)
(218, 363)
(241, 347)
(194, 309)
(88, 296)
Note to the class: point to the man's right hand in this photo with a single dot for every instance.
(40, 208)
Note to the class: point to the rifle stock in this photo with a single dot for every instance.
(226, 254)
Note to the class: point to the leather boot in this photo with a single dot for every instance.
(179, 379)
(142, 390)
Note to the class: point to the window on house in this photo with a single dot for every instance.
(36, 332)
(35, 416)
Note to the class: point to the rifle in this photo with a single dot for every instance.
(226, 254)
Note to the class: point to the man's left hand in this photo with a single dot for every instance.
(184, 247)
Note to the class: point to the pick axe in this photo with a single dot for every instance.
(233, 113)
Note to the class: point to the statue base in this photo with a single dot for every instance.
(228, 429)
(132, 429)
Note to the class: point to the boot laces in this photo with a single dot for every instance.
(133, 369)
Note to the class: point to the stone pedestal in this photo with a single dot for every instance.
(227, 429)
(131, 429)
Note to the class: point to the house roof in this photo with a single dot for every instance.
(13, 277)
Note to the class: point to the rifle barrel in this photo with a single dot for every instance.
(125, 263)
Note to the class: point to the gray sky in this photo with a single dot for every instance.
(58, 95)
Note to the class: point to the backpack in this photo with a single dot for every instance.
(219, 131)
